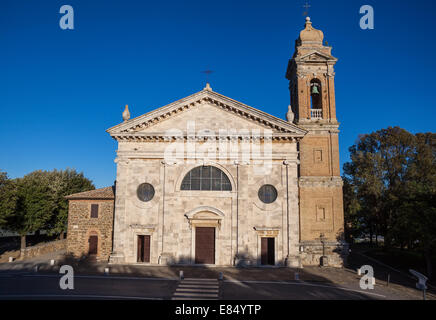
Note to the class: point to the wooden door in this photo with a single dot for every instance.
(143, 248)
(146, 248)
(205, 245)
(93, 244)
(267, 251)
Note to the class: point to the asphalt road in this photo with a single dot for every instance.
(39, 286)
(294, 290)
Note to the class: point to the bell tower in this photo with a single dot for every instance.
(311, 78)
(311, 83)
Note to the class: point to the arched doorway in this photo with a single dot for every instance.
(205, 223)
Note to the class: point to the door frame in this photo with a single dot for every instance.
(267, 234)
(205, 216)
(135, 246)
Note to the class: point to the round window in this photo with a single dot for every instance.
(145, 192)
(267, 193)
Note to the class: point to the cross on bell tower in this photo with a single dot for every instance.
(306, 6)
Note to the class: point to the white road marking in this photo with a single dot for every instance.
(200, 290)
(210, 286)
(197, 289)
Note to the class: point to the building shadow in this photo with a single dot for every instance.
(384, 276)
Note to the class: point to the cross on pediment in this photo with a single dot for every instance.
(207, 73)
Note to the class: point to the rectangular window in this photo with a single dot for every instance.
(94, 210)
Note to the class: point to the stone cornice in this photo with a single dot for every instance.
(164, 137)
(128, 156)
(308, 181)
(319, 126)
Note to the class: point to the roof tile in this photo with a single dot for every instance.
(102, 193)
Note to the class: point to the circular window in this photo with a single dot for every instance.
(145, 192)
(267, 193)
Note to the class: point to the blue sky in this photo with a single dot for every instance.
(61, 89)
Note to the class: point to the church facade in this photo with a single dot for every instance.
(210, 180)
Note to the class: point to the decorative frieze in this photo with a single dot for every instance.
(267, 232)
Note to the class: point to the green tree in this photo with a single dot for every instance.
(8, 199)
(354, 224)
(418, 206)
(63, 183)
(390, 189)
(365, 176)
(34, 204)
(40, 202)
(378, 168)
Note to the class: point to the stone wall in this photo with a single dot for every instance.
(241, 219)
(43, 248)
(312, 251)
(81, 226)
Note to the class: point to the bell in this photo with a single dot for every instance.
(315, 89)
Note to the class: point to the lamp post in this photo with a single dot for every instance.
(324, 259)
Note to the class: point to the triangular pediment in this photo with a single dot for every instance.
(316, 56)
(204, 117)
(208, 110)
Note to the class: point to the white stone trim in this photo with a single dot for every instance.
(219, 213)
(260, 234)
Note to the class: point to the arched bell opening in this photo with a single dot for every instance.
(315, 99)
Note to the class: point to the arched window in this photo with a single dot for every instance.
(206, 178)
